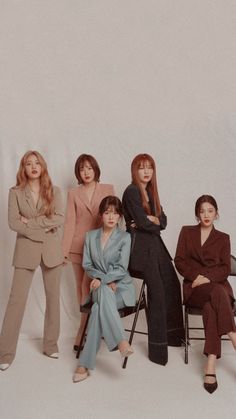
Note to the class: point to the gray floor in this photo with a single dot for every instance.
(37, 387)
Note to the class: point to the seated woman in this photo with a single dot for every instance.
(105, 260)
(203, 259)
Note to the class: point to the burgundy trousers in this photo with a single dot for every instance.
(217, 314)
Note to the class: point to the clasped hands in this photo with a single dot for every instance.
(95, 284)
(200, 280)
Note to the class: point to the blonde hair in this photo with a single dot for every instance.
(46, 187)
(152, 185)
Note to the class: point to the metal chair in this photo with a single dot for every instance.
(195, 311)
(141, 303)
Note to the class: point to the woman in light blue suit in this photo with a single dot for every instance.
(105, 260)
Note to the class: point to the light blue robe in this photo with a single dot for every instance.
(109, 265)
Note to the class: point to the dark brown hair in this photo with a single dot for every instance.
(152, 185)
(110, 201)
(201, 200)
(80, 163)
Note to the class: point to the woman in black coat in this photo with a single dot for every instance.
(151, 260)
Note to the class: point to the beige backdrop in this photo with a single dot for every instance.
(115, 78)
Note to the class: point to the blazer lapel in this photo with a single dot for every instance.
(196, 240)
(30, 200)
(84, 198)
(111, 245)
(100, 251)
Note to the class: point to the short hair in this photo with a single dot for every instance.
(110, 201)
(201, 200)
(91, 160)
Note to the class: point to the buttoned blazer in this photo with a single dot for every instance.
(212, 259)
(39, 238)
(82, 216)
(111, 263)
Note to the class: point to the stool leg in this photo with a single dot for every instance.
(141, 297)
(82, 337)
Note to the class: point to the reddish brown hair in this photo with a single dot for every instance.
(46, 187)
(152, 185)
(80, 163)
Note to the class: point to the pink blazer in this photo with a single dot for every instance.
(82, 216)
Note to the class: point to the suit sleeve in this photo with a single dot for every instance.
(220, 272)
(56, 220)
(34, 233)
(133, 202)
(182, 261)
(70, 223)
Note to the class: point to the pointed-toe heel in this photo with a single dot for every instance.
(80, 376)
(210, 387)
(55, 355)
(4, 367)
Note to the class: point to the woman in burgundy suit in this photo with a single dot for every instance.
(82, 216)
(203, 259)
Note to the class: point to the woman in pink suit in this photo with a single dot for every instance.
(82, 216)
(203, 259)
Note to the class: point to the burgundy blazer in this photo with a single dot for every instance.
(82, 216)
(212, 259)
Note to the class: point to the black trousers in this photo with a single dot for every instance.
(165, 315)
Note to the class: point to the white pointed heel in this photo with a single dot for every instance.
(4, 367)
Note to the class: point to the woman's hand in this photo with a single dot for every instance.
(24, 219)
(153, 219)
(200, 280)
(112, 285)
(95, 284)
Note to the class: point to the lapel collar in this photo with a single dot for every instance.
(197, 240)
(100, 250)
(29, 198)
(84, 198)
(111, 240)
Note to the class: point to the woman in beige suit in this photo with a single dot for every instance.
(82, 216)
(35, 213)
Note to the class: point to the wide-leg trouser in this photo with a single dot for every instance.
(104, 322)
(217, 314)
(22, 280)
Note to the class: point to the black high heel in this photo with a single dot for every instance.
(210, 387)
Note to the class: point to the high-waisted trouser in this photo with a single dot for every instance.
(104, 322)
(22, 280)
(217, 314)
(165, 317)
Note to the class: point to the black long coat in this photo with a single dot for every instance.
(151, 260)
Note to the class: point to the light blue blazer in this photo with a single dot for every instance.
(111, 263)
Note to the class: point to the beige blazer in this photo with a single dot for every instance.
(40, 238)
(82, 216)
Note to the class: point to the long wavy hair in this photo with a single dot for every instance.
(46, 187)
(152, 184)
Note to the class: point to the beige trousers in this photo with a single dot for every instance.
(21, 283)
